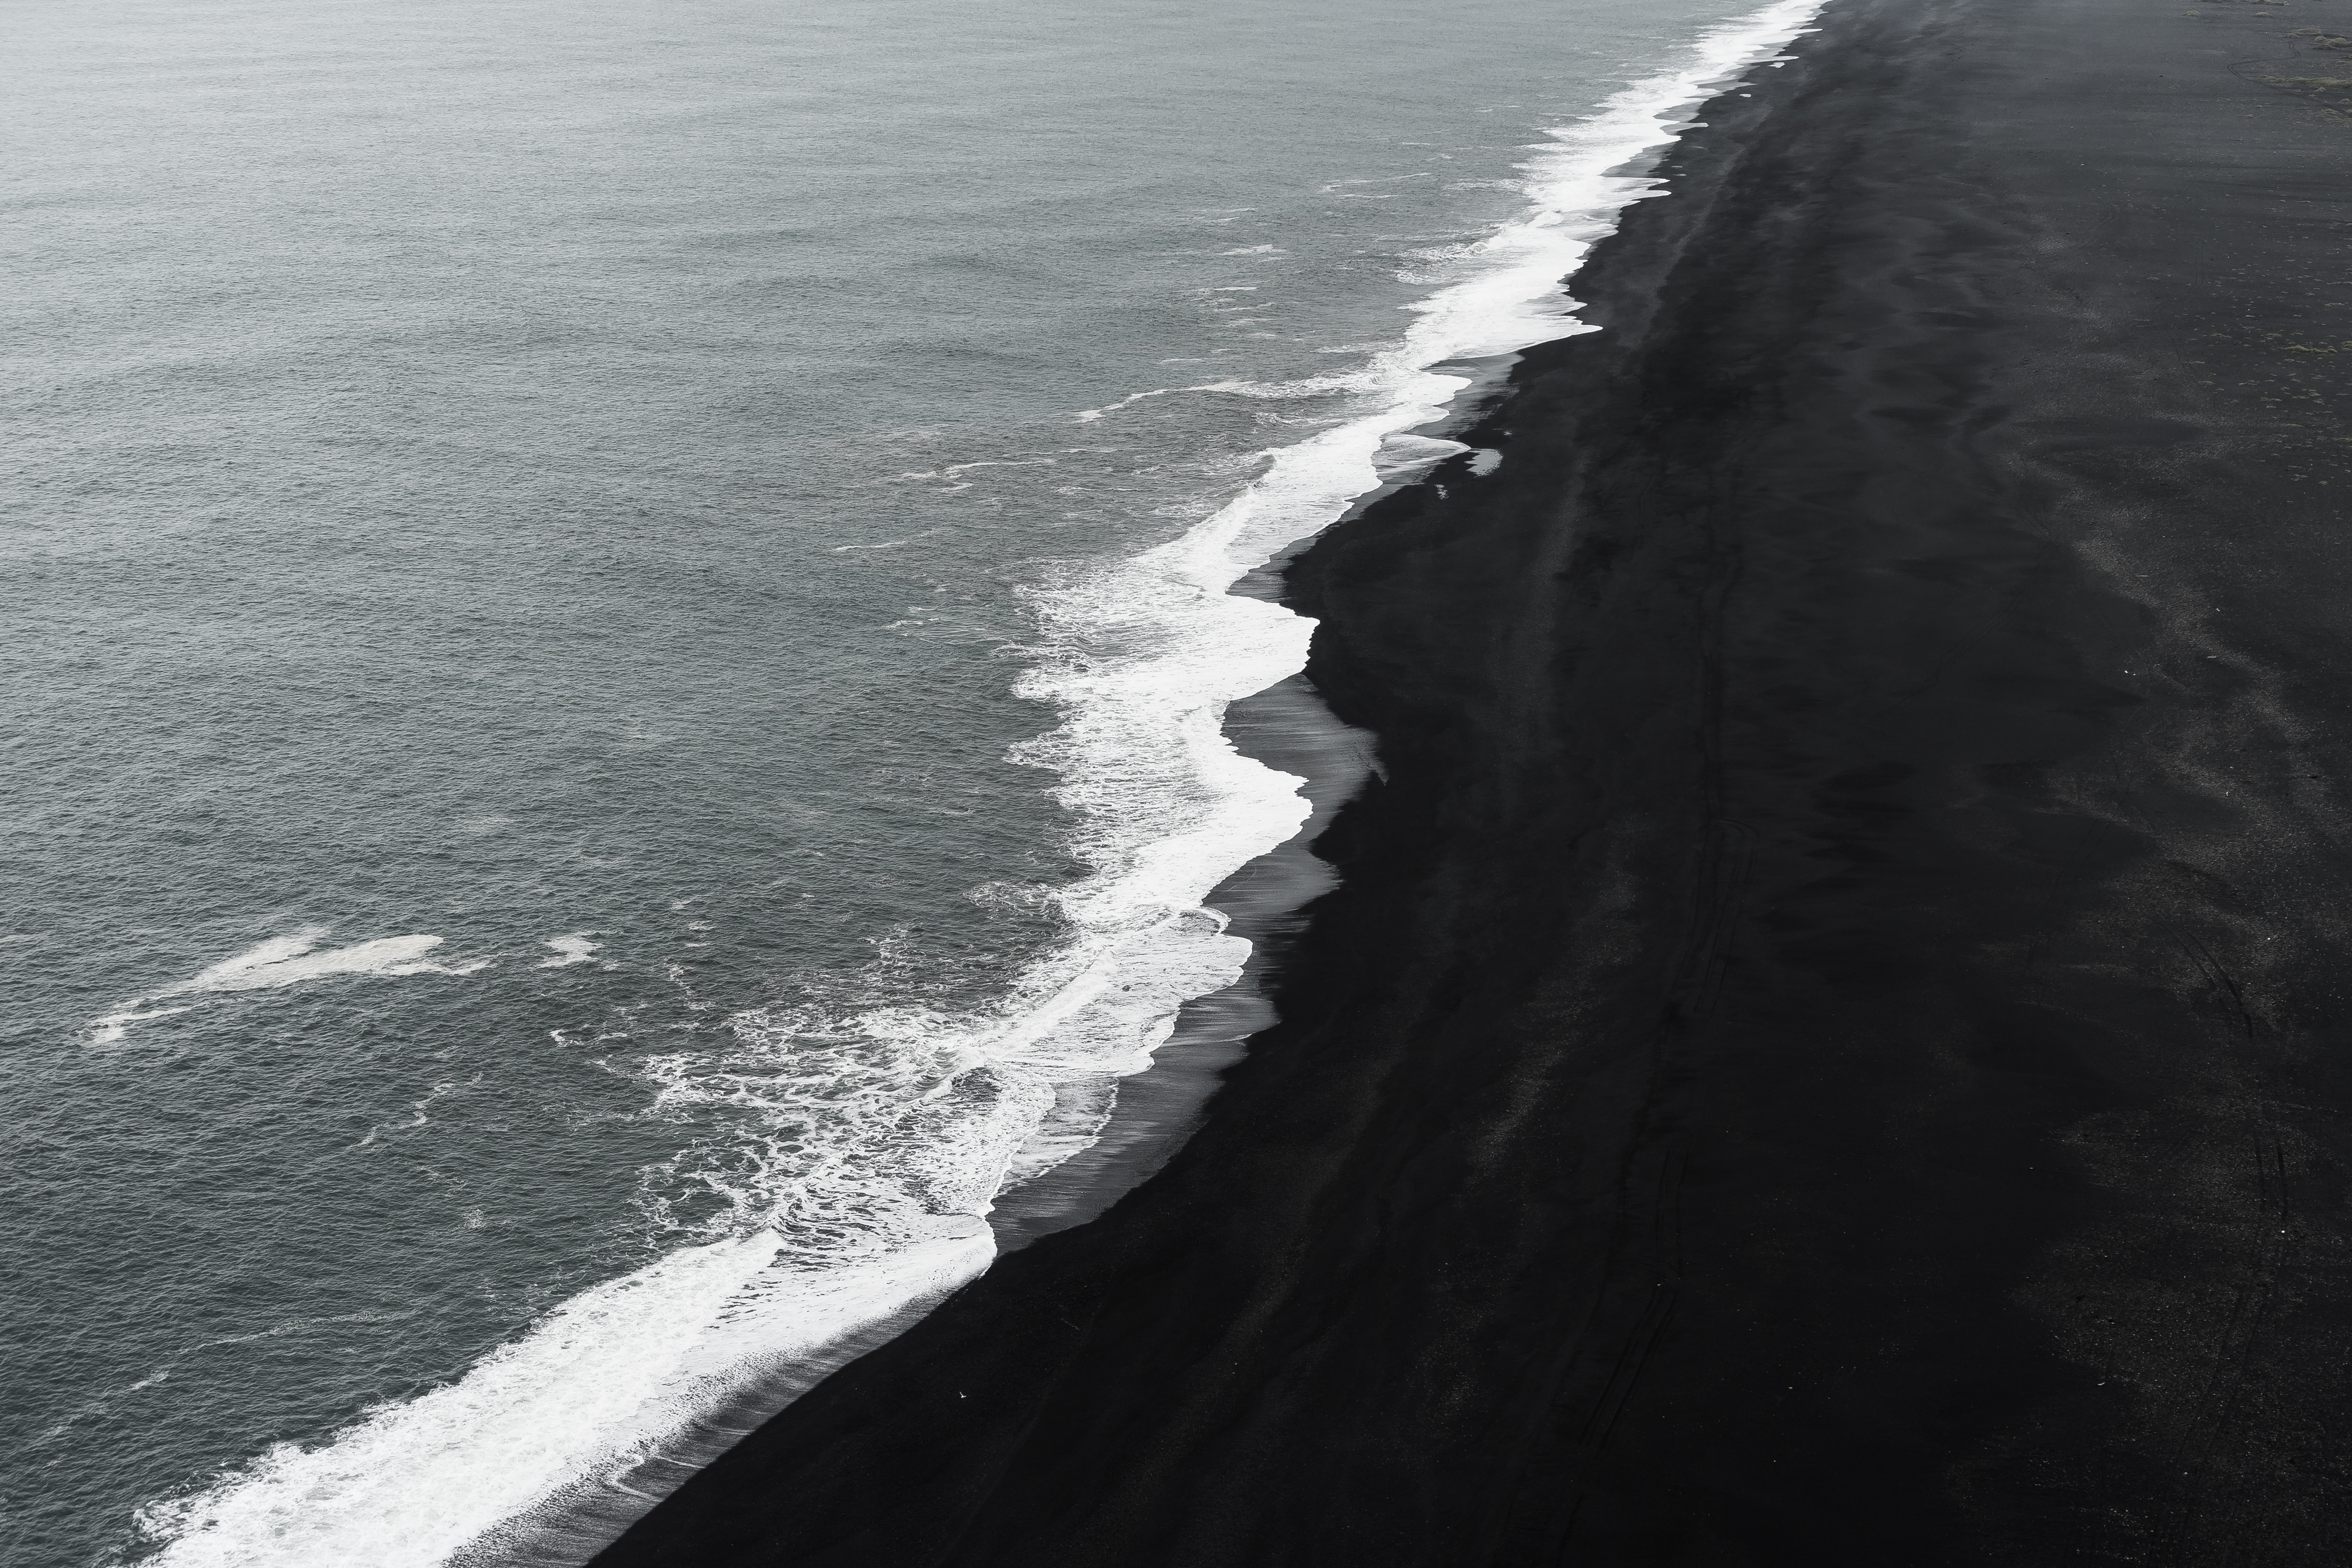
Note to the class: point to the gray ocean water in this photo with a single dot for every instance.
(541, 541)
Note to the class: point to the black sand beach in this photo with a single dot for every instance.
(1832, 1046)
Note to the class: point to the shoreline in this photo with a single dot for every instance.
(1286, 728)
(1825, 1049)
(1445, 371)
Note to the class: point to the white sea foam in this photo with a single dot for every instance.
(849, 1156)
(287, 960)
(1408, 456)
(570, 950)
(114, 1025)
(290, 959)
(590, 1390)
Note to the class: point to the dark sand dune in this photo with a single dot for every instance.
(1833, 1046)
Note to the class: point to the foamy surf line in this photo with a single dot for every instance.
(569, 1431)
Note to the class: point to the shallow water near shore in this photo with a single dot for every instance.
(621, 648)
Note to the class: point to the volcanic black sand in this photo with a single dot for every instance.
(1832, 1047)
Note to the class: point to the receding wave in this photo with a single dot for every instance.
(845, 1159)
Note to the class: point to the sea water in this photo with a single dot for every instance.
(617, 632)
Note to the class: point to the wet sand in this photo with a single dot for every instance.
(1830, 1046)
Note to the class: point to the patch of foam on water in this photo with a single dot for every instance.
(846, 1158)
(114, 1025)
(290, 959)
(570, 950)
(287, 960)
(1403, 459)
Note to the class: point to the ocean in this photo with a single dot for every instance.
(620, 635)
